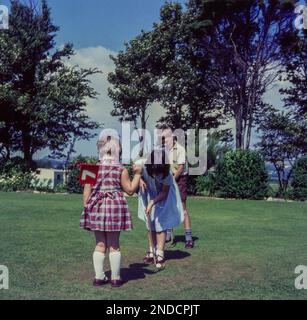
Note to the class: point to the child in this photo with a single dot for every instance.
(105, 207)
(161, 200)
(177, 157)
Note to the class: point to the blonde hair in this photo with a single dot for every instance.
(109, 147)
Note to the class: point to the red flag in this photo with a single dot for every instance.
(88, 173)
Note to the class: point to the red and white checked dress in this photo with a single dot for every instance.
(107, 208)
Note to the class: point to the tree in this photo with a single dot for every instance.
(296, 73)
(283, 141)
(186, 94)
(242, 39)
(9, 57)
(47, 109)
(134, 84)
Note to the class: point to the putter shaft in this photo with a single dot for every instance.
(150, 238)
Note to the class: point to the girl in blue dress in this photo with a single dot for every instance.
(159, 198)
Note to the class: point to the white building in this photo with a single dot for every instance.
(52, 176)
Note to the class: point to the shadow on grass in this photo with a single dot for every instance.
(135, 271)
(176, 254)
(138, 271)
(182, 239)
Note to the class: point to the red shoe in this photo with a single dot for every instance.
(189, 244)
(116, 283)
(100, 282)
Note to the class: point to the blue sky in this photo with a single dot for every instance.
(98, 28)
(103, 22)
(88, 23)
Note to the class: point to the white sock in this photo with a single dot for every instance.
(160, 253)
(151, 252)
(98, 260)
(169, 234)
(115, 258)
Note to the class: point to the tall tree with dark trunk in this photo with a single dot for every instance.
(49, 96)
(243, 41)
(186, 92)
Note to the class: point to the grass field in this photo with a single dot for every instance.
(244, 250)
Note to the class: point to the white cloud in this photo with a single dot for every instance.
(97, 57)
(99, 109)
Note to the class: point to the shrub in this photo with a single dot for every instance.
(205, 184)
(16, 181)
(241, 174)
(201, 185)
(192, 185)
(14, 175)
(299, 179)
(44, 185)
(60, 188)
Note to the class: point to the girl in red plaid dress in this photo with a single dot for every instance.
(106, 211)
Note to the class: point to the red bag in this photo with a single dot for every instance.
(88, 173)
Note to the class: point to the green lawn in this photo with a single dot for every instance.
(244, 250)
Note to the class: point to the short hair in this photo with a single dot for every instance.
(158, 168)
(163, 126)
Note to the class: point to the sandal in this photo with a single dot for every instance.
(148, 259)
(189, 244)
(160, 262)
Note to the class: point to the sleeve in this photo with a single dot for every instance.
(181, 158)
(140, 163)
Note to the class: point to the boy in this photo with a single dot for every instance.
(177, 158)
